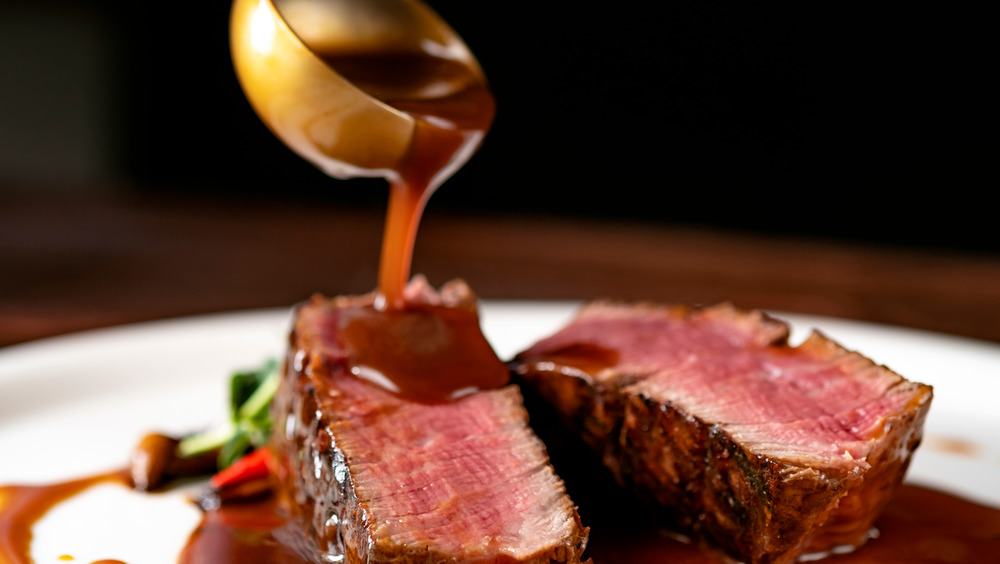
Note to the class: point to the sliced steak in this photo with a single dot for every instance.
(377, 478)
(764, 450)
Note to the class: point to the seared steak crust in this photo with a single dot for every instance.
(375, 478)
(764, 450)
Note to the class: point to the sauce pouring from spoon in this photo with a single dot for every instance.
(379, 88)
(366, 88)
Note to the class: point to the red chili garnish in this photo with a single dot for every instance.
(253, 466)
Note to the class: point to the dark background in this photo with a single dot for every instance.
(864, 123)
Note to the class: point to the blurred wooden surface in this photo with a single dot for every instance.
(71, 263)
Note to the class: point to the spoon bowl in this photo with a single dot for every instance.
(306, 68)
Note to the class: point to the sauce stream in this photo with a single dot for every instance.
(424, 353)
(453, 109)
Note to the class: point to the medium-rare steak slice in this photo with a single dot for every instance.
(377, 478)
(764, 450)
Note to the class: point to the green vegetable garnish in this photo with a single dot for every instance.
(249, 424)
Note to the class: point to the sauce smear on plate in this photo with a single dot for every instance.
(919, 525)
(22, 506)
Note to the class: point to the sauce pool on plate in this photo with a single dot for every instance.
(919, 525)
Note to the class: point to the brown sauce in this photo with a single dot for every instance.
(919, 525)
(425, 353)
(586, 358)
(453, 109)
(436, 153)
(434, 353)
(22, 506)
(247, 532)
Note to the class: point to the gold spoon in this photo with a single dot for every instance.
(366, 88)
(286, 55)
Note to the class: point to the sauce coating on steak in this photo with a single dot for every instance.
(377, 477)
(765, 450)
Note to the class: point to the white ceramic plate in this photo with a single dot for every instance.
(75, 405)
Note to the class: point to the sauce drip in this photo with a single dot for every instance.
(422, 352)
(453, 109)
